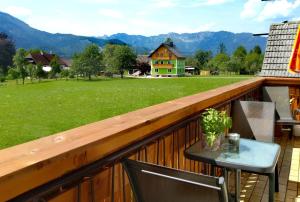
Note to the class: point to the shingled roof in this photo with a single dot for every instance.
(279, 50)
(170, 47)
(44, 58)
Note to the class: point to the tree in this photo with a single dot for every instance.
(257, 50)
(7, 51)
(2, 76)
(89, 62)
(55, 67)
(219, 62)
(253, 62)
(222, 48)
(65, 73)
(118, 58)
(13, 74)
(39, 72)
(31, 71)
(202, 58)
(238, 59)
(124, 59)
(108, 57)
(20, 62)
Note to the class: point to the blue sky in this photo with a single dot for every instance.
(151, 17)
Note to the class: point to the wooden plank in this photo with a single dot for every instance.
(282, 81)
(51, 157)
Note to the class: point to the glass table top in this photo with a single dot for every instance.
(255, 156)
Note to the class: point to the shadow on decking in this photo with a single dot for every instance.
(255, 187)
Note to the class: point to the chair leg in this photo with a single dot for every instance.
(291, 132)
(276, 179)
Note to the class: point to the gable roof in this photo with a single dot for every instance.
(279, 50)
(171, 48)
(44, 58)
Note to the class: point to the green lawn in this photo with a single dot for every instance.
(35, 110)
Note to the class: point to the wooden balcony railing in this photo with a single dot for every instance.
(163, 65)
(83, 163)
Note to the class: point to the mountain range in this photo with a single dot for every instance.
(66, 45)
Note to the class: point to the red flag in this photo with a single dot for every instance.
(294, 66)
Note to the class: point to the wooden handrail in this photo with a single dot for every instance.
(34, 163)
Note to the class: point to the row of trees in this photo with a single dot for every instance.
(91, 62)
(22, 69)
(113, 59)
(240, 61)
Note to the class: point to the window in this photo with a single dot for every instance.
(169, 70)
(162, 62)
(156, 70)
(156, 62)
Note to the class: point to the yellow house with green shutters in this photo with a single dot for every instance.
(166, 61)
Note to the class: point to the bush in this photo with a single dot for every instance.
(108, 74)
(2, 79)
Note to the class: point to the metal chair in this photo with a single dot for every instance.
(252, 119)
(151, 183)
(255, 120)
(280, 96)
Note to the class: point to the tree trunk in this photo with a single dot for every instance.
(90, 78)
(23, 80)
(122, 73)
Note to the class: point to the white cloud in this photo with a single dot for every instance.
(110, 13)
(251, 9)
(216, 2)
(201, 3)
(281, 8)
(18, 11)
(164, 3)
(269, 10)
(100, 1)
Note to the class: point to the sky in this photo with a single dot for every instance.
(151, 17)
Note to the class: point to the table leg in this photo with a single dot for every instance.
(225, 173)
(271, 186)
(237, 184)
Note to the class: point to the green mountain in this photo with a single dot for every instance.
(27, 37)
(67, 44)
(189, 43)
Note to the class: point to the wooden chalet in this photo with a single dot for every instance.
(45, 59)
(167, 61)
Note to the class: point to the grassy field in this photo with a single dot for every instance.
(40, 109)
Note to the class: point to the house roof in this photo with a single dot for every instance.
(143, 59)
(171, 48)
(279, 50)
(44, 58)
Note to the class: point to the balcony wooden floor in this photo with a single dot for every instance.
(255, 187)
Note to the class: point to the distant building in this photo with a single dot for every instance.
(282, 56)
(44, 59)
(167, 61)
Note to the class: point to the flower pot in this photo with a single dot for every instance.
(215, 145)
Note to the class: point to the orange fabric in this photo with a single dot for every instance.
(294, 66)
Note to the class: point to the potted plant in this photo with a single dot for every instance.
(214, 124)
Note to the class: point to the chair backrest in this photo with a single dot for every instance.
(279, 95)
(161, 184)
(252, 119)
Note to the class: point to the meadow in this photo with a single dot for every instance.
(35, 110)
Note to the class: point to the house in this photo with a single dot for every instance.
(282, 56)
(142, 65)
(167, 61)
(45, 59)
